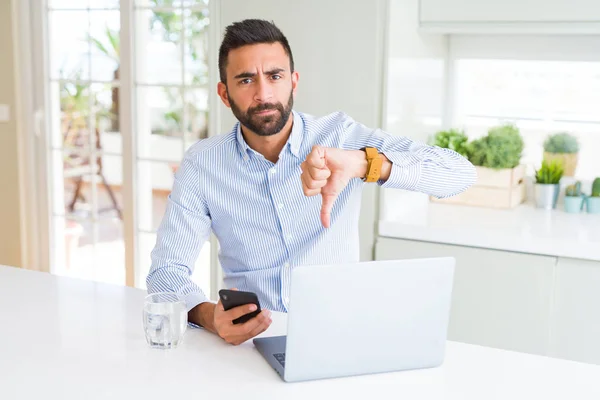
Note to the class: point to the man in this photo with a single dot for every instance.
(282, 188)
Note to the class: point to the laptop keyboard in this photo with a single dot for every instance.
(281, 358)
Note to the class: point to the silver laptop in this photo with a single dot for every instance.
(363, 318)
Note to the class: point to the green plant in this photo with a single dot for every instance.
(596, 188)
(112, 47)
(77, 100)
(453, 140)
(561, 143)
(550, 172)
(195, 29)
(74, 97)
(191, 28)
(573, 190)
(501, 148)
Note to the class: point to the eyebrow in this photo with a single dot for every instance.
(253, 74)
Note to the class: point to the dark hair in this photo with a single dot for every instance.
(250, 31)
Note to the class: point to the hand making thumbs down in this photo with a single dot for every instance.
(327, 171)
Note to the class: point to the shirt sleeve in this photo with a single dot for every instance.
(416, 166)
(184, 229)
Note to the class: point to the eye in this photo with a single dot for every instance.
(276, 76)
(245, 81)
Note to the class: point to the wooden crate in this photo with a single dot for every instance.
(503, 188)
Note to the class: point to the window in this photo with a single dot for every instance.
(85, 86)
(541, 96)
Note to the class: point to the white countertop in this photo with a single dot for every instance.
(524, 229)
(62, 338)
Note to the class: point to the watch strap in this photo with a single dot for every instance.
(374, 163)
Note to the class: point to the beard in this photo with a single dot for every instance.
(263, 125)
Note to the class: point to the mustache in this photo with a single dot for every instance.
(265, 107)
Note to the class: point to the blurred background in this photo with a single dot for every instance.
(99, 100)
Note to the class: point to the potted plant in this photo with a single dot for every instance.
(593, 202)
(573, 198)
(547, 180)
(500, 174)
(497, 158)
(565, 147)
(451, 139)
(500, 149)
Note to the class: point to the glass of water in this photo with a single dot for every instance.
(165, 320)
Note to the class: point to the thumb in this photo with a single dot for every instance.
(328, 200)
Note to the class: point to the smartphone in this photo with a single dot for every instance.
(236, 298)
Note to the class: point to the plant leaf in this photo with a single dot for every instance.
(113, 38)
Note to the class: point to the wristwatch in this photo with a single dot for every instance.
(374, 162)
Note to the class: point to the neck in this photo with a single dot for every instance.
(269, 146)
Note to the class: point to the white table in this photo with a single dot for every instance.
(62, 338)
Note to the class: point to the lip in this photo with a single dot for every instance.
(265, 112)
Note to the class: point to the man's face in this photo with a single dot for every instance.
(260, 88)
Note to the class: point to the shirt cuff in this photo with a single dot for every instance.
(405, 173)
(193, 299)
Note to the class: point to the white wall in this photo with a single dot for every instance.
(486, 11)
(510, 16)
(338, 50)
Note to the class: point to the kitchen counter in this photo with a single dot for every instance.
(524, 229)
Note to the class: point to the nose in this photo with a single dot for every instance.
(264, 92)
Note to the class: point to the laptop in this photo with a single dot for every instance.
(363, 318)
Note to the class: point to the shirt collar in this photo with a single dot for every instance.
(293, 143)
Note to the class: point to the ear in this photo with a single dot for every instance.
(295, 77)
(222, 91)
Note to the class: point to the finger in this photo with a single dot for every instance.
(239, 311)
(328, 201)
(314, 172)
(242, 331)
(311, 183)
(257, 325)
(318, 174)
(316, 158)
(309, 192)
(260, 328)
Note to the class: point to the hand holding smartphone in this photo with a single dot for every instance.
(235, 298)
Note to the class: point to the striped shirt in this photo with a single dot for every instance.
(257, 209)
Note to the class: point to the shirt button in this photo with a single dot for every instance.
(272, 170)
(289, 237)
(280, 205)
(287, 265)
(287, 299)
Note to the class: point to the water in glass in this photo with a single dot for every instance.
(165, 320)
